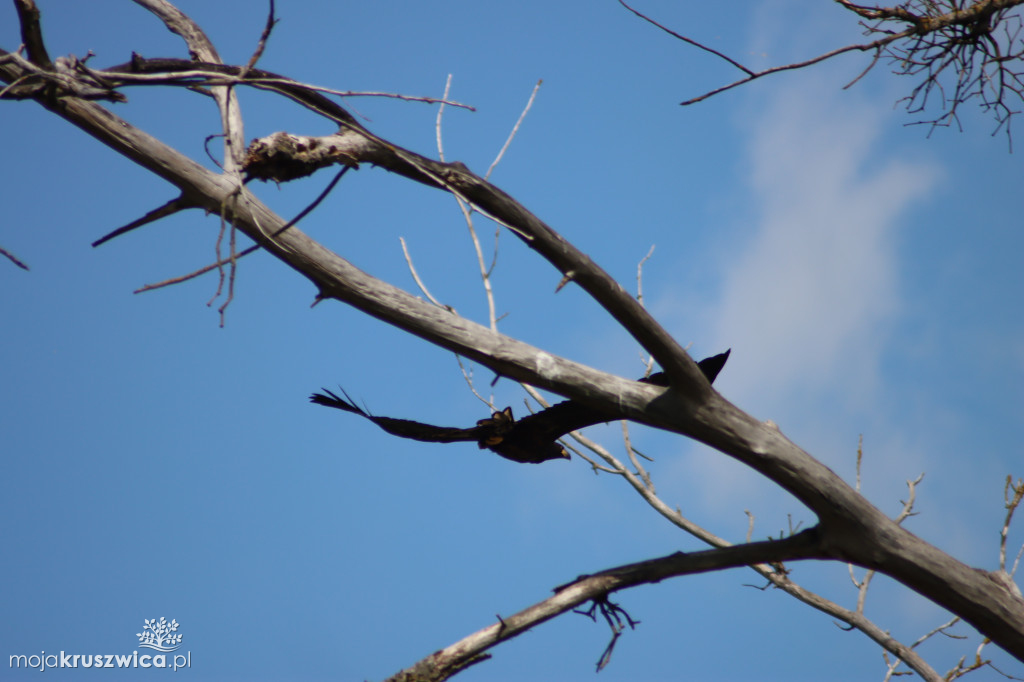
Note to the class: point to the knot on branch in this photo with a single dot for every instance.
(282, 157)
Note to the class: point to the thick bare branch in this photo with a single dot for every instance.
(201, 49)
(282, 156)
(442, 664)
(850, 528)
(770, 572)
(32, 33)
(244, 252)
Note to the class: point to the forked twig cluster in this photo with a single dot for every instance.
(957, 51)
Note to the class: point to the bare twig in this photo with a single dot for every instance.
(925, 39)
(688, 40)
(245, 252)
(233, 259)
(196, 273)
(208, 75)
(225, 221)
(775, 575)
(467, 374)
(467, 371)
(467, 213)
(907, 511)
(648, 359)
(467, 208)
(11, 257)
(515, 129)
(893, 665)
(864, 47)
(908, 506)
(440, 113)
(639, 468)
(617, 619)
(419, 282)
(640, 275)
(1012, 502)
(594, 465)
(202, 48)
(261, 45)
(12, 87)
(860, 459)
(173, 206)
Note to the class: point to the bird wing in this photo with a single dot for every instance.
(532, 439)
(713, 365)
(569, 415)
(403, 428)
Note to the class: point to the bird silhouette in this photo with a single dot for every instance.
(532, 439)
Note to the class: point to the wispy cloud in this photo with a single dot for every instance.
(814, 280)
(811, 285)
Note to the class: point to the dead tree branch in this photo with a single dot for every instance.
(857, 531)
(241, 254)
(11, 257)
(979, 46)
(170, 208)
(596, 587)
(850, 529)
(32, 34)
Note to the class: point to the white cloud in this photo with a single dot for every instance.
(809, 290)
(811, 287)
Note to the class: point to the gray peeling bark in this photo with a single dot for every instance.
(850, 529)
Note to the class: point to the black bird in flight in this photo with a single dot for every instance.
(533, 439)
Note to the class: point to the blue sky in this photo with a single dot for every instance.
(868, 280)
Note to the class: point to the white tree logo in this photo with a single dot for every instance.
(159, 635)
